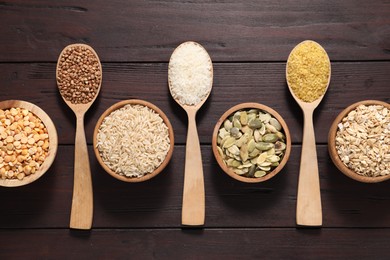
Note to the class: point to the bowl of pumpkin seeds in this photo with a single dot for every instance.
(251, 142)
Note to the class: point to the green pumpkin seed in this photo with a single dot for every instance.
(219, 140)
(265, 164)
(251, 145)
(239, 171)
(229, 161)
(246, 129)
(236, 163)
(253, 111)
(258, 137)
(235, 132)
(222, 132)
(251, 172)
(246, 165)
(255, 123)
(237, 157)
(280, 146)
(244, 152)
(237, 123)
(275, 123)
(264, 117)
(280, 136)
(228, 142)
(275, 164)
(251, 116)
(259, 174)
(240, 141)
(270, 138)
(244, 118)
(227, 125)
(265, 168)
(254, 153)
(220, 152)
(274, 158)
(262, 129)
(262, 146)
(271, 151)
(234, 150)
(262, 157)
(270, 128)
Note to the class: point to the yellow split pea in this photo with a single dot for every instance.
(308, 70)
(24, 143)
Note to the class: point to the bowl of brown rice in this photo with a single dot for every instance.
(359, 141)
(133, 140)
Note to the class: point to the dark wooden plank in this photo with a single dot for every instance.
(229, 203)
(230, 30)
(233, 84)
(197, 244)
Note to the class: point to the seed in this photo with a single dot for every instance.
(235, 132)
(274, 158)
(229, 142)
(244, 152)
(262, 146)
(243, 118)
(259, 174)
(271, 128)
(258, 137)
(275, 123)
(236, 123)
(234, 150)
(255, 123)
(270, 138)
(280, 146)
(265, 168)
(227, 125)
(251, 145)
(265, 117)
(262, 157)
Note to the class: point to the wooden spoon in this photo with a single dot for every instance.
(309, 210)
(193, 208)
(82, 203)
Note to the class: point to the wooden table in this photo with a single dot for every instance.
(249, 42)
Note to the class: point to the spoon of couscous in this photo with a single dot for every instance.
(190, 79)
(308, 75)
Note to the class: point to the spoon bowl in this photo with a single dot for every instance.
(309, 209)
(82, 201)
(182, 68)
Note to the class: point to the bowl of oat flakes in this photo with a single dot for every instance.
(133, 140)
(359, 141)
(28, 143)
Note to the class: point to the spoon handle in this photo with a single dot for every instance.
(309, 212)
(82, 202)
(193, 208)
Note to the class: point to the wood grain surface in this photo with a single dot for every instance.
(249, 42)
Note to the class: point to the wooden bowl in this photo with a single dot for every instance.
(285, 130)
(332, 144)
(53, 142)
(170, 133)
